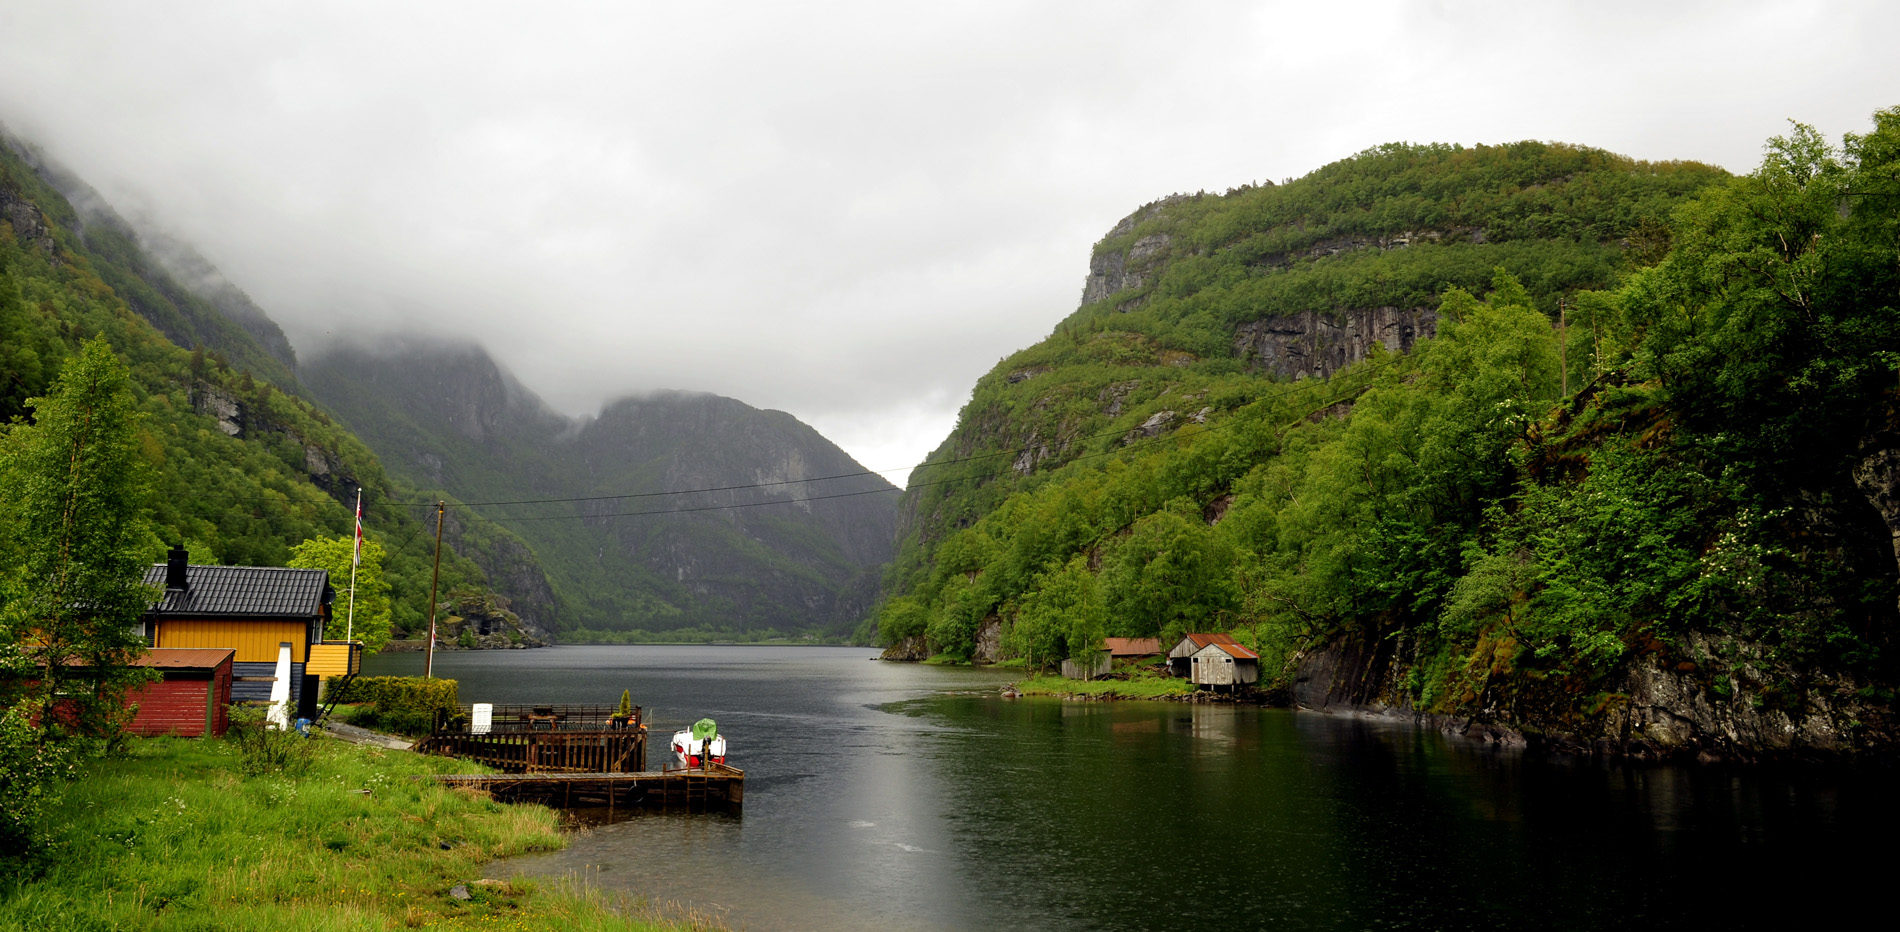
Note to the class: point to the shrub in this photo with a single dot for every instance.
(32, 774)
(264, 749)
(403, 704)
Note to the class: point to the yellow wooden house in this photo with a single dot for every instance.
(256, 611)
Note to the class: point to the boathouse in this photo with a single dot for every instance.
(191, 699)
(1214, 660)
(1113, 650)
(252, 611)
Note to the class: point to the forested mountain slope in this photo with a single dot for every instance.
(1531, 434)
(798, 557)
(244, 469)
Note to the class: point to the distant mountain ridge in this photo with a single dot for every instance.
(778, 547)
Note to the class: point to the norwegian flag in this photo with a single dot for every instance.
(357, 557)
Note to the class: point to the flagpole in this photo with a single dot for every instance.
(356, 556)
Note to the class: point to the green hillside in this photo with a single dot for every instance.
(1529, 433)
(244, 469)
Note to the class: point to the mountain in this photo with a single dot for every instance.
(159, 277)
(244, 467)
(1546, 442)
(634, 549)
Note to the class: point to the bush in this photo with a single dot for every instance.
(405, 705)
(32, 774)
(263, 749)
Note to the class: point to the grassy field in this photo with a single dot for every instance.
(173, 837)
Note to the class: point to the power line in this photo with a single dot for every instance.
(851, 475)
(792, 501)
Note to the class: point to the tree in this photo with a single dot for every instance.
(1170, 576)
(370, 623)
(1061, 618)
(74, 545)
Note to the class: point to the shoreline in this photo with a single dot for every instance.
(1496, 735)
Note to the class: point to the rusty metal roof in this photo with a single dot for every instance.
(242, 591)
(1235, 650)
(1132, 647)
(193, 658)
(1223, 641)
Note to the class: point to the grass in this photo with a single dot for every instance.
(172, 837)
(1127, 683)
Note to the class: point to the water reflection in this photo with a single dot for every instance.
(912, 798)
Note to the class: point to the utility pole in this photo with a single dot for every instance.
(428, 663)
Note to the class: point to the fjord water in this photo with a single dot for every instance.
(907, 797)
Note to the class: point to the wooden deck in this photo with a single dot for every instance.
(713, 788)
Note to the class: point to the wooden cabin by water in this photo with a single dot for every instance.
(1214, 660)
(252, 611)
(1113, 650)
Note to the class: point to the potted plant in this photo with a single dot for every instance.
(624, 714)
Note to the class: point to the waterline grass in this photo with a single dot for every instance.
(173, 837)
(1138, 685)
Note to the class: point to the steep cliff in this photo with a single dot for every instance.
(776, 546)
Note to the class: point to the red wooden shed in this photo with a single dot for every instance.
(193, 697)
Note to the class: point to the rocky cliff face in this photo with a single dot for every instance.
(1877, 473)
(1311, 344)
(1702, 698)
(28, 223)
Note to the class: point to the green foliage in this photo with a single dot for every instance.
(370, 606)
(1062, 617)
(1727, 354)
(74, 544)
(266, 749)
(625, 709)
(403, 704)
(33, 773)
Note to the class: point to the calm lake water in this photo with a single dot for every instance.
(906, 797)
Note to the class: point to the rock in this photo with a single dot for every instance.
(1150, 428)
(1318, 344)
(912, 648)
(460, 891)
(1112, 271)
(989, 640)
(209, 400)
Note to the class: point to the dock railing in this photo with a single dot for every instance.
(545, 718)
(544, 739)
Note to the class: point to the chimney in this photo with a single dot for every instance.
(175, 563)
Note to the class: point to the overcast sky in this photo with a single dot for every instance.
(844, 211)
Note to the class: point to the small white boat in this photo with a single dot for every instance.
(693, 747)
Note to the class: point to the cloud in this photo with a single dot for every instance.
(845, 211)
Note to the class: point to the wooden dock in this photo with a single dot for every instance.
(713, 788)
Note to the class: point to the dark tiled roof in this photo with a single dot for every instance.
(242, 591)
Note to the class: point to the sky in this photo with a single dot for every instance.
(846, 211)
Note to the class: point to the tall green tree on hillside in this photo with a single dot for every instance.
(371, 622)
(74, 545)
